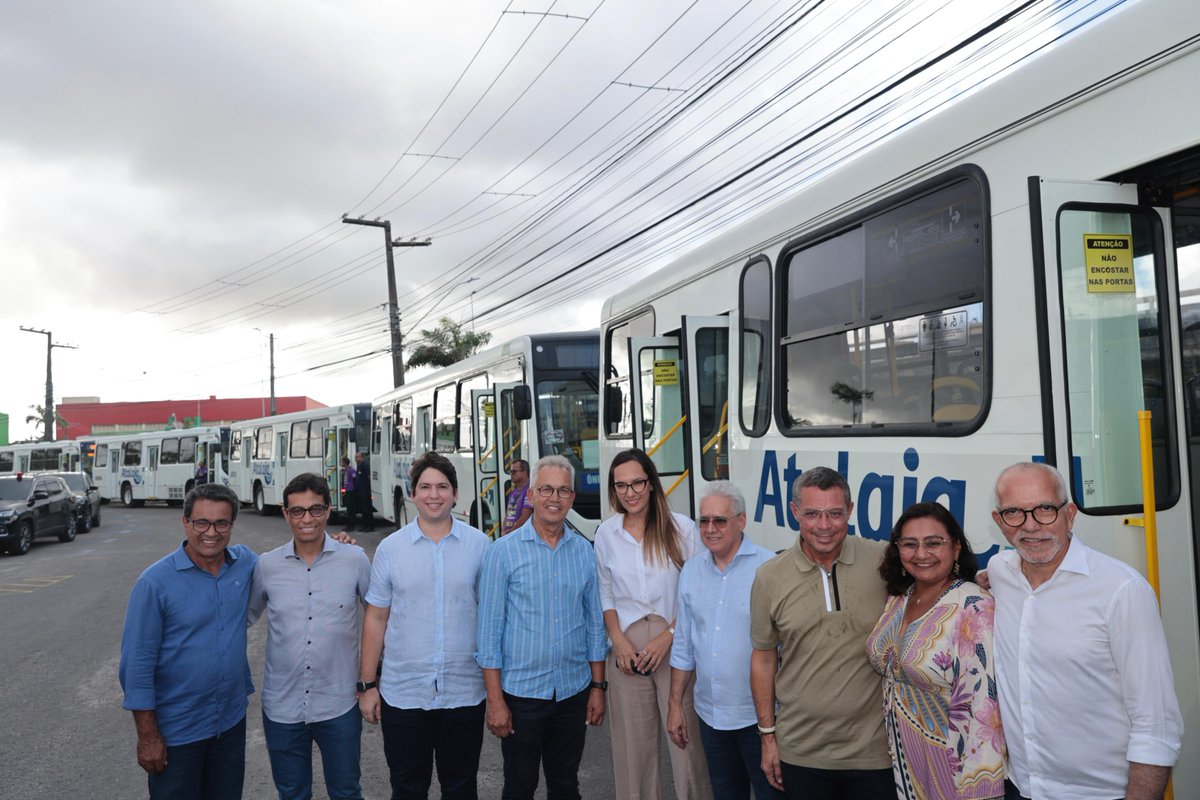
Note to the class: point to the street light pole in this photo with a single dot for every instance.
(48, 409)
(393, 307)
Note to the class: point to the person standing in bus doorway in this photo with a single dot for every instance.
(349, 493)
(712, 645)
(639, 553)
(311, 588)
(1083, 673)
(421, 614)
(183, 656)
(541, 641)
(517, 508)
(362, 492)
(811, 610)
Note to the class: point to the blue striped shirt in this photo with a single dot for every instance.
(429, 644)
(712, 634)
(540, 621)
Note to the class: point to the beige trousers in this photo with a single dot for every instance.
(637, 712)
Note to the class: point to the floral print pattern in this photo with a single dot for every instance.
(939, 696)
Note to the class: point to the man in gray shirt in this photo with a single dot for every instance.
(311, 588)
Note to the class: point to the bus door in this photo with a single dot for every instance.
(1111, 310)
(659, 422)
(706, 356)
(150, 473)
(487, 508)
(332, 462)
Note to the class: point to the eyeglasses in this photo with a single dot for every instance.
(637, 487)
(548, 491)
(201, 525)
(1043, 514)
(297, 512)
(814, 514)
(933, 544)
(716, 522)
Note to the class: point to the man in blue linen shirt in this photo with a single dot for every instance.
(183, 656)
(421, 613)
(541, 641)
(311, 588)
(712, 640)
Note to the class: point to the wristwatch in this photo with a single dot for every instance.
(362, 687)
(601, 685)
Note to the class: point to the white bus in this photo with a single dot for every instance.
(1012, 279)
(63, 456)
(159, 465)
(266, 453)
(531, 397)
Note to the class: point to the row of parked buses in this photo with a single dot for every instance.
(1010, 279)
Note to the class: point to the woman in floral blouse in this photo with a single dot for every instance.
(933, 646)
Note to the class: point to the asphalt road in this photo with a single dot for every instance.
(65, 733)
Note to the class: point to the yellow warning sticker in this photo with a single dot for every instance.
(666, 373)
(1108, 260)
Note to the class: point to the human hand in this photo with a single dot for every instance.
(624, 654)
(983, 580)
(499, 718)
(656, 653)
(343, 537)
(770, 761)
(152, 753)
(368, 705)
(595, 707)
(677, 726)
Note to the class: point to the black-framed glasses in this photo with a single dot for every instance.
(1043, 514)
(548, 491)
(202, 525)
(637, 487)
(297, 512)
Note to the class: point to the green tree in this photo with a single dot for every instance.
(446, 344)
(38, 419)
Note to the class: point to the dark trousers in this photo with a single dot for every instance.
(809, 783)
(350, 502)
(414, 737)
(546, 732)
(1011, 792)
(363, 503)
(210, 769)
(735, 763)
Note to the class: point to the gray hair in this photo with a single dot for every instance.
(1027, 468)
(729, 490)
(215, 492)
(822, 478)
(554, 462)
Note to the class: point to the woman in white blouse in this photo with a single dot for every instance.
(639, 552)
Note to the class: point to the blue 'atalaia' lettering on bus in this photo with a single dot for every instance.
(874, 490)
(265, 472)
(132, 472)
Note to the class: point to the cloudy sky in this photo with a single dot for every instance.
(173, 174)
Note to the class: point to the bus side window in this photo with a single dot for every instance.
(618, 409)
(755, 354)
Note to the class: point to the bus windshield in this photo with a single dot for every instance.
(569, 418)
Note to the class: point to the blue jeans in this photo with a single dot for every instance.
(210, 769)
(735, 763)
(289, 746)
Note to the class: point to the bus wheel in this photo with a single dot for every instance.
(260, 504)
(401, 510)
(127, 495)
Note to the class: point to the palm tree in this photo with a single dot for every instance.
(446, 344)
(38, 420)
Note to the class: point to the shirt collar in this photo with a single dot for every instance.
(528, 533)
(416, 534)
(182, 561)
(328, 545)
(804, 563)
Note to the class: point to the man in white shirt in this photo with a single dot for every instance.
(1085, 685)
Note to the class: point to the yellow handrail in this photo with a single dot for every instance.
(720, 431)
(678, 481)
(667, 435)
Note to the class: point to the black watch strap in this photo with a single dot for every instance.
(601, 685)
(362, 687)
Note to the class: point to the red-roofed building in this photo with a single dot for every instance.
(87, 416)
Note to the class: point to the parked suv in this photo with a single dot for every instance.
(32, 506)
(87, 498)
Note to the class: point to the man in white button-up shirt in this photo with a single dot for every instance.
(1085, 686)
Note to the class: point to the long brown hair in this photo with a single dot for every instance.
(661, 540)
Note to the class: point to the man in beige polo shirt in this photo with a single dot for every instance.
(811, 610)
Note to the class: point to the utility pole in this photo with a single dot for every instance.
(393, 307)
(272, 373)
(48, 409)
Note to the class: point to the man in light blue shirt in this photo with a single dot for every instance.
(421, 613)
(712, 641)
(311, 588)
(541, 641)
(183, 656)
